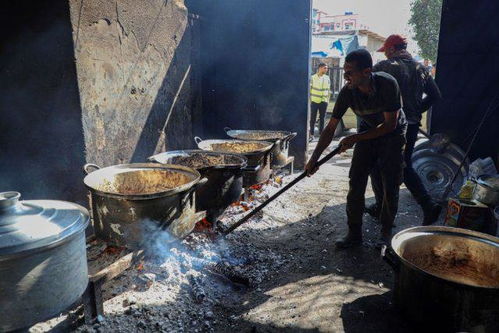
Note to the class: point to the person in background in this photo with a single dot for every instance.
(414, 80)
(320, 87)
(375, 99)
(426, 62)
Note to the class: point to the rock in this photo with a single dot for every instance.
(100, 319)
(209, 315)
(141, 324)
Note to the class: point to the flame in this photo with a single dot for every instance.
(203, 226)
(113, 250)
(140, 266)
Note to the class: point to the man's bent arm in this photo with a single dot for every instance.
(388, 126)
(325, 139)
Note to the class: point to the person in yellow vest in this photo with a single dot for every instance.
(320, 86)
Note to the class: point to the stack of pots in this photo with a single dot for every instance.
(43, 261)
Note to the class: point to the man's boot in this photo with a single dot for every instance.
(431, 212)
(352, 239)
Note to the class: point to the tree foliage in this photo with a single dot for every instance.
(425, 21)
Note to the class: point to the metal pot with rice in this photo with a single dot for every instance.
(128, 200)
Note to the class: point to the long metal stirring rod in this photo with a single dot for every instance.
(278, 193)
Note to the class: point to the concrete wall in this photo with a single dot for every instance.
(135, 77)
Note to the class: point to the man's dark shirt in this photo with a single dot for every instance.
(369, 108)
(414, 80)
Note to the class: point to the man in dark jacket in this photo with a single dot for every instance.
(414, 80)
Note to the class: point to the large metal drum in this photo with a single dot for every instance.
(43, 261)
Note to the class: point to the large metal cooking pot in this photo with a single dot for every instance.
(257, 152)
(43, 260)
(447, 278)
(224, 174)
(487, 190)
(127, 200)
(280, 151)
(436, 165)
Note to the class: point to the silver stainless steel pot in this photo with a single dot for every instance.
(446, 278)
(43, 261)
(280, 151)
(122, 215)
(487, 190)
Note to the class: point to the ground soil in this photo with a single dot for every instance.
(299, 282)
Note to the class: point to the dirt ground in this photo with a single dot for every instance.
(322, 289)
(299, 282)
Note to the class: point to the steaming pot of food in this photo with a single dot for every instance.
(129, 200)
(43, 259)
(446, 277)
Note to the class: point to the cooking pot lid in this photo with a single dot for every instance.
(34, 224)
(490, 181)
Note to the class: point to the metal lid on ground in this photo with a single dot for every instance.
(36, 224)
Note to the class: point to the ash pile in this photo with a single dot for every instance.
(185, 286)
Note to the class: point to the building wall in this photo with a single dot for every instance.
(135, 76)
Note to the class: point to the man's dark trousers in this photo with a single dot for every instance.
(386, 154)
(411, 178)
(314, 107)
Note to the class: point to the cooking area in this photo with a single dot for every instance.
(154, 177)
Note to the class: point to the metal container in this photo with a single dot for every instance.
(224, 173)
(446, 278)
(255, 151)
(129, 201)
(487, 190)
(436, 165)
(280, 151)
(43, 261)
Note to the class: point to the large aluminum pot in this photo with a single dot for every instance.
(446, 278)
(223, 171)
(487, 190)
(129, 201)
(280, 151)
(257, 152)
(43, 261)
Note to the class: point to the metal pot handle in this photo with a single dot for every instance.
(201, 182)
(390, 257)
(291, 136)
(226, 129)
(197, 139)
(87, 167)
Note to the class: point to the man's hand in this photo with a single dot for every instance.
(311, 167)
(348, 142)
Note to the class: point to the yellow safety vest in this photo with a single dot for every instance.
(319, 88)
